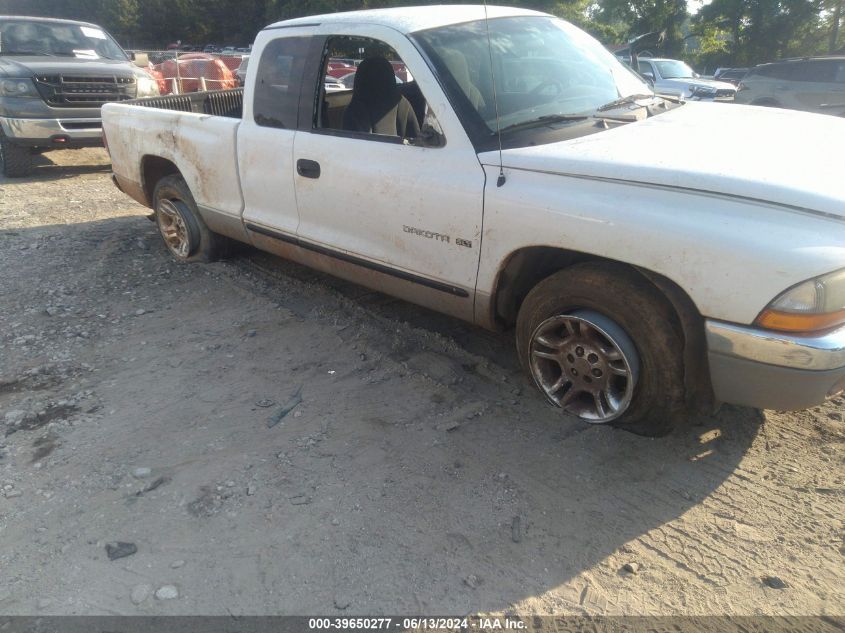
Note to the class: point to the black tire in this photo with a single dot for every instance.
(620, 294)
(16, 160)
(171, 195)
(766, 103)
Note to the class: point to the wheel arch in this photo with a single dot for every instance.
(525, 268)
(153, 169)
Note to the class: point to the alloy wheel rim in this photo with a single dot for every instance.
(585, 364)
(173, 228)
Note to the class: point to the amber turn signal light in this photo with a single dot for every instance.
(795, 322)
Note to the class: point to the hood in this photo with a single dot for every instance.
(30, 66)
(778, 156)
(683, 82)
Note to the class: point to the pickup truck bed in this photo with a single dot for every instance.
(225, 103)
(202, 125)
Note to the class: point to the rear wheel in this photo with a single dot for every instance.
(181, 227)
(602, 344)
(766, 103)
(16, 160)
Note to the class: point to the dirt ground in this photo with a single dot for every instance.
(420, 473)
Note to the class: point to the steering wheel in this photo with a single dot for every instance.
(546, 87)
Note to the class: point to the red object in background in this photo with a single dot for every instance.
(337, 73)
(193, 67)
(400, 70)
(232, 62)
(339, 70)
(159, 77)
(336, 70)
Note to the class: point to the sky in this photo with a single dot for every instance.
(694, 6)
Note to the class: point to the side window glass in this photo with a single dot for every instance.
(840, 73)
(278, 82)
(789, 72)
(820, 71)
(367, 89)
(645, 67)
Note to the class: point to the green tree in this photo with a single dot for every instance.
(764, 30)
(636, 17)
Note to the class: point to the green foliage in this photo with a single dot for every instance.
(764, 30)
(725, 32)
(637, 17)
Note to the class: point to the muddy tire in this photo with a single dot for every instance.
(15, 160)
(603, 344)
(180, 225)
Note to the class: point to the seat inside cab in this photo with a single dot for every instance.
(368, 89)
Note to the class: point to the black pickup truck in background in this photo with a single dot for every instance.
(54, 77)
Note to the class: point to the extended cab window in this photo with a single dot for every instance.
(278, 81)
(368, 90)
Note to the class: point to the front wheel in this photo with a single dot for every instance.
(602, 344)
(15, 160)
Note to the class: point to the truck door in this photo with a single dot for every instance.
(835, 93)
(266, 134)
(405, 207)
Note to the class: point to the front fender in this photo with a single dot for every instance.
(731, 256)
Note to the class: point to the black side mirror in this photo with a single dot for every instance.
(430, 137)
(141, 60)
(431, 134)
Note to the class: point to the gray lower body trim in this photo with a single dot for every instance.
(224, 224)
(131, 189)
(774, 370)
(749, 383)
(360, 261)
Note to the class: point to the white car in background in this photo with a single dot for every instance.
(815, 84)
(333, 85)
(240, 71)
(673, 77)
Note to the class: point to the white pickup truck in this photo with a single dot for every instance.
(653, 256)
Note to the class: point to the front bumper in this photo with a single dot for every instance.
(713, 98)
(53, 132)
(773, 370)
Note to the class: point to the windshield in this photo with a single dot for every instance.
(57, 39)
(544, 69)
(674, 70)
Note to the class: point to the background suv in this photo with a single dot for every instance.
(812, 84)
(675, 78)
(54, 76)
(731, 75)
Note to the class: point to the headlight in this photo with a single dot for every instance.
(817, 304)
(18, 88)
(147, 87)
